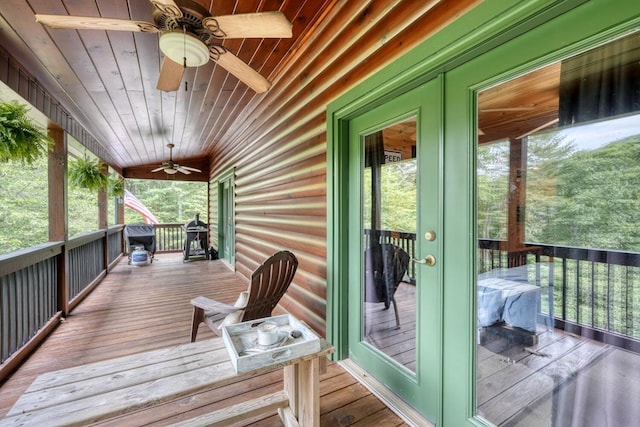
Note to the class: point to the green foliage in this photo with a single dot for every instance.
(170, 201)
(24, 208)
(573, 198)
(398, 196)
(82, 208)
(598, 201)
(87, 173)
(20, 138)
(116, 186)
(493, 187)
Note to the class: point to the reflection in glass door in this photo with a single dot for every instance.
(558, 255)
(389, 230)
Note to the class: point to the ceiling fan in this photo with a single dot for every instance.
(170, 167)
(189, 37)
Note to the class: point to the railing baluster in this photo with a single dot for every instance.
(597, 301)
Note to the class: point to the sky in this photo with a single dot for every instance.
(596, 135)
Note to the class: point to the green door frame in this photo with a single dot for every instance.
(226, 216)
(529, 31)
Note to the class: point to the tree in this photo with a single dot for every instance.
(492, 190)
(598, 199)
(169, 201)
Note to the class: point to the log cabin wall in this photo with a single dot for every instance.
(278, 146)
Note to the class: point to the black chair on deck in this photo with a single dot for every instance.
(385, 267)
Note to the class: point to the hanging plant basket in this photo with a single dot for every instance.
(20, 138)
(116, 186)
(87, 173)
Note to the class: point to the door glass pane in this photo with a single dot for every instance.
(558, 254)
(389, 234)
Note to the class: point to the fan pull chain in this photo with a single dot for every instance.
(184, 58)
(184, 46)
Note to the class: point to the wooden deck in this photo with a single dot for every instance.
(137, 309)
(562, 380)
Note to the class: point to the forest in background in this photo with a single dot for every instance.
(24, 204)
(574, 198)
(581, 198)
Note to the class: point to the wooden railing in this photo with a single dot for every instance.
(169, 237)
(405, 240)
(86, 257)
(36, 290)
(591, 292)
(28, 294)
(115, 243)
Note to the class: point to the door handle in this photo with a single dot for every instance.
(429, 260)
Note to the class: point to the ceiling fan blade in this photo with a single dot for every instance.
(183, 170)
(158, 169)
(170, 75)
(240, 69)
(506, 109)
(190, 169)
(250, 25)
(95, 23)
(167, 6)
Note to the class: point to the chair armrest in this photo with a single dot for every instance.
(211, 305)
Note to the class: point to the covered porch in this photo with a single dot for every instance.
(137, 309)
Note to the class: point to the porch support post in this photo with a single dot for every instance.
(517, 201)
(102, 202)
(57, 172)
(120, 208)
(103, 219)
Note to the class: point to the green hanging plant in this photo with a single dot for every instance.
(116, 186)
(20, 138)
(87, 173)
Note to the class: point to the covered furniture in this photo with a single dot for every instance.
(140, 236)
(504, 295)
(268, 284)
(385, 266)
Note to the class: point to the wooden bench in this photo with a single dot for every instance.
(103, 390)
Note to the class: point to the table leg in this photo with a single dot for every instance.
(291, 387)
(301, 382)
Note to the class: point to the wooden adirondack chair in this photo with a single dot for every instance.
(268, 284)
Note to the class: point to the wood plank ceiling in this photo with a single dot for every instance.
(107, 79)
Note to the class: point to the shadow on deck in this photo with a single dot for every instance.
(137, 309)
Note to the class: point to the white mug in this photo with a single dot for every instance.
(267, 333)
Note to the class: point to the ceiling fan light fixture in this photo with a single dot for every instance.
(171, 171)
(179, 45)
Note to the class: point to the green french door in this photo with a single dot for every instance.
(395, 244)
(226, 221)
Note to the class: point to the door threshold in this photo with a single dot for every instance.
(401, 408)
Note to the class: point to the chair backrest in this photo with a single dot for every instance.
(268, 284)
(385, 265)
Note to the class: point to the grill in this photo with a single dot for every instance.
(196, 244)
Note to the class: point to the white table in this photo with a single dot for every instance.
(102, 390)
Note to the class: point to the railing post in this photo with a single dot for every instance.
(63, 281)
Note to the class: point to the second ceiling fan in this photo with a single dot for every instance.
(189, 37)
(170, 167)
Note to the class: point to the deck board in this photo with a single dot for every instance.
(137, 309)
